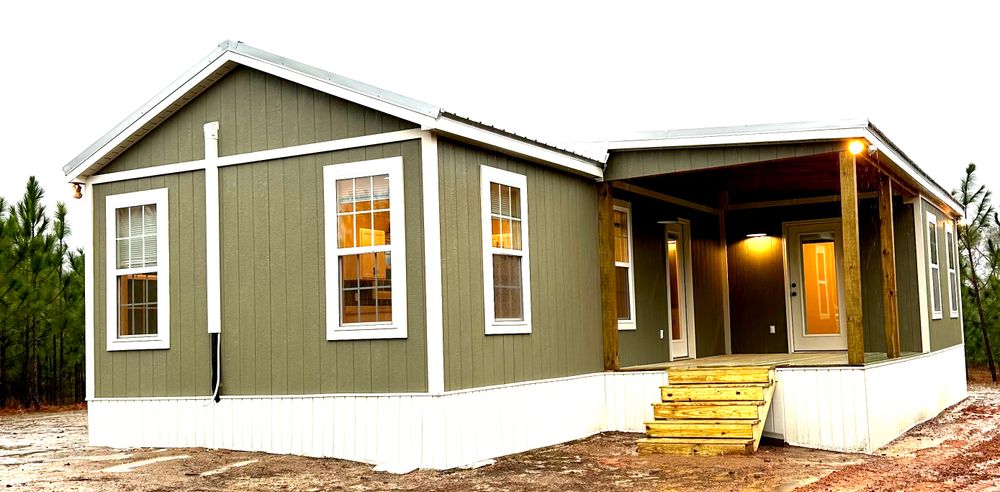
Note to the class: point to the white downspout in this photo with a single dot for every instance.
(213, 273)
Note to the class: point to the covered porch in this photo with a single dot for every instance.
(795, 359)
(809, 248)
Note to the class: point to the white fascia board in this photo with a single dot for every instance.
(740, 138)
(796, 136)
(518, 147)
(84, 168)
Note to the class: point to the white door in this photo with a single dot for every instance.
(814, 256)
(680, 305)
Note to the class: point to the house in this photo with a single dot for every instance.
(281, 259)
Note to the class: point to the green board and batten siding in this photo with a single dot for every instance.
(565, 294)
(273, 288)
(947, 331)
(185, 369)
(273, 306)
(256, 111)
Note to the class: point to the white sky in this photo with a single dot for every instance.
(926, 75)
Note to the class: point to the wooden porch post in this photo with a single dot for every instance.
(890, 304)
(852, 258)
(606, 254)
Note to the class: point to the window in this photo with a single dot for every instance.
(935, 265)
(365, 252)
(624, 277)
(507, 293)
(954, 294)
(138, 307)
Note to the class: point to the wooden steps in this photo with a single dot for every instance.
(710, 411)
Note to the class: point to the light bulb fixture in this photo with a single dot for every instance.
(756, 234)
(856, 147)
(77, 191)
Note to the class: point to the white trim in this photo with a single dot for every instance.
(153, 112)
(213, 273)
(161, 340)
(433, 298)
(919, 237)
(628, 324)
(793, 136)
(89, 297)
(489, 175)
(951, 266)
(516, 147)
(262, 155)
(683, 230)
(335, 330)
(932, 266)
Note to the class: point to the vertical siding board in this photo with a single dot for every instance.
(229, 276)
(258, 111)
(289, 114)
(299, 368)
(227, 116)
(313, 330)
(276, 279)
(262, 294)
(243, 132)
(273, 112)
(246, 281)
(184, 274)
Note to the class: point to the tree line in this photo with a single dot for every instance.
(41, 305)
(979, 252)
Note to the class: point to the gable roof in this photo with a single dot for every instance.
(791, 133)
(230, 54)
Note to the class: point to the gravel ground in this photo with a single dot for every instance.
(959, 450)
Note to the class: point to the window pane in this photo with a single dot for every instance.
(936, 289)
(497, 238)
(345, 234)
(121, 216)
(345, 195)
(507, 302)
(505, 200)
(380, 229)
(135, 236)
(363, 229)
(363, 193)
(932, 234)
(494, 198)
(380, 192)
(621, 236)
(366, 288)
(622, 293)
(515, 234)
(953, 283)
(137, 295)
(515, 203)
(949, 243)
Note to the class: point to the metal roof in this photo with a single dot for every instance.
(418, 111)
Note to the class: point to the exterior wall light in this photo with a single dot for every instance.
(856, 147)
(757, 234)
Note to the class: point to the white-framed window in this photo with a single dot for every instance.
(624, 274)
(365, 250)
(506, 277)
(138, 270)
(934, 260)
(954, 292)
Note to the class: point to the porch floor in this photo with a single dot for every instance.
(800, 359)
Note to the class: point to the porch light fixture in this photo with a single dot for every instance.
(756, 234)
(856, 147)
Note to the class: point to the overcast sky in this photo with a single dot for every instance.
(926, 75)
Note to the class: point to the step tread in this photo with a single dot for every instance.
(735, 441)
(719, 384)
(713, 403)
(681, 422)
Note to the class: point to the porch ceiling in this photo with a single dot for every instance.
(798, 177)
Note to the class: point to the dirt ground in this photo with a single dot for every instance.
(959, 450)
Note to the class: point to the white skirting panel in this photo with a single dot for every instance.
(418, 430)
(861, 409)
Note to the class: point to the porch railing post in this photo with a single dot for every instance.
(890, 303)
(606, 254)
(852, 258)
